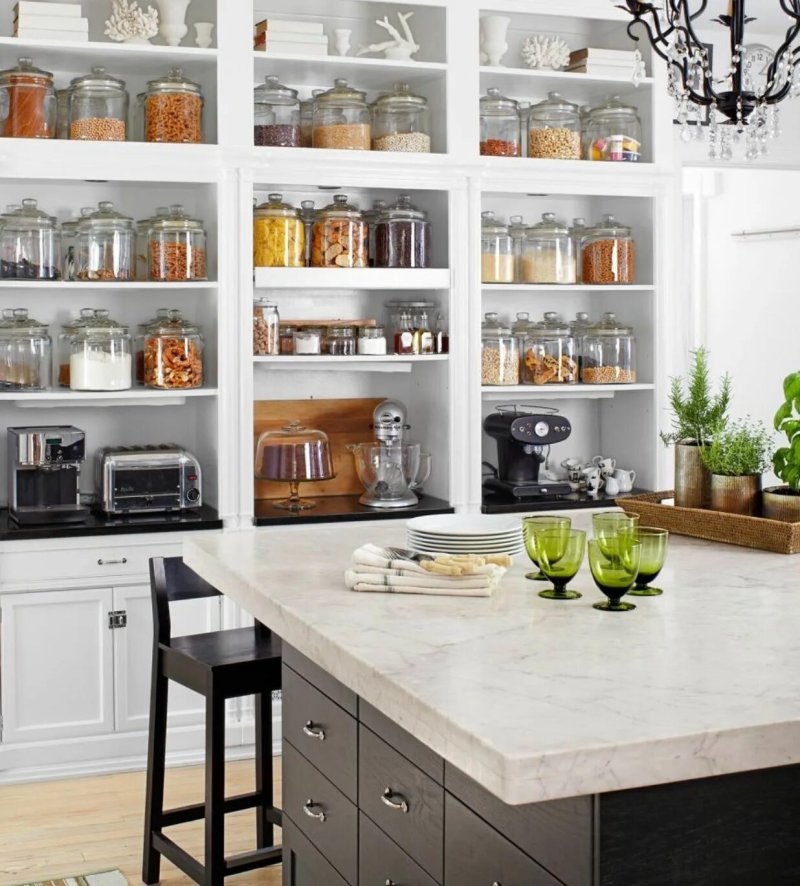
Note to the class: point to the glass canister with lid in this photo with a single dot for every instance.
(28, 104)
(176, 248)
(266, 328)
(342, 119)
(98, 107)
(498, 263)
(609, 353)
(578, 326)
(173, 354)
(139, 339)
(608, 254)
(401, 121)
(279, 238)
(371, 341)
(69, 234)
(548, 255)
(499, 125)
(341, 341)
(554, 129)
(520, 327)
(307, 118)
(339, 236)
(63, 343)
(142, 238)
(105, 242)
(371, 217)
(402, 236)
(26, 357)
(499, 356)
(549, 357)
(30, 244)
(173, 109)
(614, 132)
(100, 355)
(276, 111)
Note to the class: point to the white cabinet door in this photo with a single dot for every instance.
(56, 665)
(133, 649)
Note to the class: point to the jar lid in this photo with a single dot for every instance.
(177, 219)
(273, 92)
(262, 301)
(173, 324)
(99, 327)
(516, 225)
(340, 208)
(275, 207)
(495, 102)
(609, 325)
(552, 325)
(491, 224)
(578, 224)
(105, 216)
(341, 331)
(308, 330)
(522, 322)
(403, 209)
(547, 228)
(29, 216)
(610, 227)
(341, 93)
(307, 211)
(491, 324)
(161, 313)
(613, 107)
(371, 331)
(410, 305)
(554, 102)
(20, 324)
(25, 70)
(581, 319)
(72, 223)
(401, 96)
(98, 79)
(308, 103)
(144, 223)
(174, 81)
(495, 332)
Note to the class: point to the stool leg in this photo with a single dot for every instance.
(215, 788)
(156, 753)
(265, 833)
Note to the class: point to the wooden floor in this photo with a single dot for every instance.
(59, 828)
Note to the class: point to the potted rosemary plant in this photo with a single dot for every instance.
(783, 502)
(737, 456)
(696, 414)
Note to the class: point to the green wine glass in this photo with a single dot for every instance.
(530, 527)
(654, 552)
(614, 565)
(560, 553)
(609, 526)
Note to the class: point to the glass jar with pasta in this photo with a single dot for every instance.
(176, 248)
(339, 238)
(278, 235)
(28, 104)
(173, 354)
(173, 110)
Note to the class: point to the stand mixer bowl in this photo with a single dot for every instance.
(386, 472)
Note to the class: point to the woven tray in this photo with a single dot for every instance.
(732, 529)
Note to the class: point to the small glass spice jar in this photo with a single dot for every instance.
(549, 356)
(279, 238)
(401, 121)
(548, 255)
(499, 357)
(286, 340)
(307, 342)
(614, 132)
(498, 262)
(106, 242)
(25, 353)
(402, 236)
(98, 108)
(342, 119)
(608, 253)
(339, 236)
(371, 341)
(30, 244)
(173, 109)
(176, 248)
(276, 110)
(341, 341)
(266, 328)
(609, 353)
(499, 124)
(28, 105)
(307, 119)
(100, 356)
(554, 129)
(173, 354)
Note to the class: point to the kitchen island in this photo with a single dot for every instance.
(648, 747)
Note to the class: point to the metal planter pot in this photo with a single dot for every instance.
(781, 503)
(736, 495)
(692, 478)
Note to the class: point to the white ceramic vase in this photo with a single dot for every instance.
(203, 31)
(342, 40)
(172, 15)
(493, 30)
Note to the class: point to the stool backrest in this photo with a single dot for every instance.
(172, 580)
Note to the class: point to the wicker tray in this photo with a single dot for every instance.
(732, 529)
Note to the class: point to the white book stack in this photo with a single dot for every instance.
(282, 37)
(35, 20)
(602, 62)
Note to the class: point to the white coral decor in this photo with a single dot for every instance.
(542, 51)
(129, 22)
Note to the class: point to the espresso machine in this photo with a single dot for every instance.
(524, 435)
(44, 471)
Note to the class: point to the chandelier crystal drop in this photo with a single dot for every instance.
(739, 102)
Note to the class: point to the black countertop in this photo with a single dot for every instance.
(345, 509)
(499, 504)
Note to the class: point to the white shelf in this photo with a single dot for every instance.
(561, 392)
(352, 278)
(100, 285)
(132, 397)
(512, 80)
(387, 363)
(574, 287)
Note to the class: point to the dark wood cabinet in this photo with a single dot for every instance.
(303, 864)
(381, 861)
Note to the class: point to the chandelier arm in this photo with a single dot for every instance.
(709, 96)
(655, 43)
(793, 11)
(785, 49)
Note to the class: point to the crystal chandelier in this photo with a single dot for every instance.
(740, 103)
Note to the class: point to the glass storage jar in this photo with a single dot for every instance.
(401, 121)
(100, 356)
(286, 341)
(173, 109)
(279, 239)
(139, 340)
(98, 108)
(307, 214)
(371, 341)
(549, 357)
(577, 232)
(339, 236)
(142, 238)
(520, 327)
(308, 341)
(578, 327)
(341, 341)
(173, 354)
(69, 234)
(499, 125)
(307, 119)
(548, 255)
(608, 254)
(554, 129)
(614, 132)
(370, 217)
(498, 263)
(276, 110)
(63, 342)
(499, 357)
(30, 244)
(28, 104)
(176, 248)
(517, 229)
(342, 119)
(106, 242)
(266, 328)
(402, 236)
(609, 353)
(26, 357)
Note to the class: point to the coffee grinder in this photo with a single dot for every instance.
(524, 436)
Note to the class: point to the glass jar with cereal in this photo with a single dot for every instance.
(499, 357)
(554, 129)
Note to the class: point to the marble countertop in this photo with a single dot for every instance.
(537, 699)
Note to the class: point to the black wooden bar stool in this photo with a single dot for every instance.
(218, 665)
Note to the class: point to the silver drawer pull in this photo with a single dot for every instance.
(308, 808)
(313, 731)
(102, 562)
(390, 883)
(394, 801)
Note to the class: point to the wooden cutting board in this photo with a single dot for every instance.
(344, 421)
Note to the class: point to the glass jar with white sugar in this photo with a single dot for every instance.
(100, 358)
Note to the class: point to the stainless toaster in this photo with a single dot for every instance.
(142, 479)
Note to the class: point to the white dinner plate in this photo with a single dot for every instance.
(464, 524)
(469, 539)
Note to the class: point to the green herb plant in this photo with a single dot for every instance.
(739, 449)
(697, 413)
(786, 460)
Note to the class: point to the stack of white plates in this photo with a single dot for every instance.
(465, 534)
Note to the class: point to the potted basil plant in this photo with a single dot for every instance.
(737, 457)
(696, 413)
(783, 502)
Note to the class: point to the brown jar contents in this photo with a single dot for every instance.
(27, 115)
(176, 261)
(608, 261)
(63, 375)
(174, 117)
(344, 136)
(172, 363)
(339, 243)
(98, 129)
(607, 375)
(498, 147)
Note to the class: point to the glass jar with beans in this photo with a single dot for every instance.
(29, 244)
(549, 354)
(279, 238)
(28, 104)
(401, 121)
(554, 129)
(173, 109)
(98, 108)
(402, 236)
(499, 125)
(176, 248)
(548, 255)
(342, 119)
(105, 245)
(276, 111)
(608, 353)
(339, 236)
(608, 253)
(498, 262)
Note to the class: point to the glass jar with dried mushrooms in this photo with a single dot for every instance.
(339, 238)
(173, 354)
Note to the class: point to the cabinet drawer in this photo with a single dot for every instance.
(406, 803)
(325, 733)
(381, 861)
(303, 865)
(307, 795)
(476, 854)
(321, 680)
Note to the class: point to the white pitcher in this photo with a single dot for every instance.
(625, 479)
(612, 486)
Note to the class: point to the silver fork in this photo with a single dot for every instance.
(405, 554)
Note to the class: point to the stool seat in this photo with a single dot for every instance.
(218, 649)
